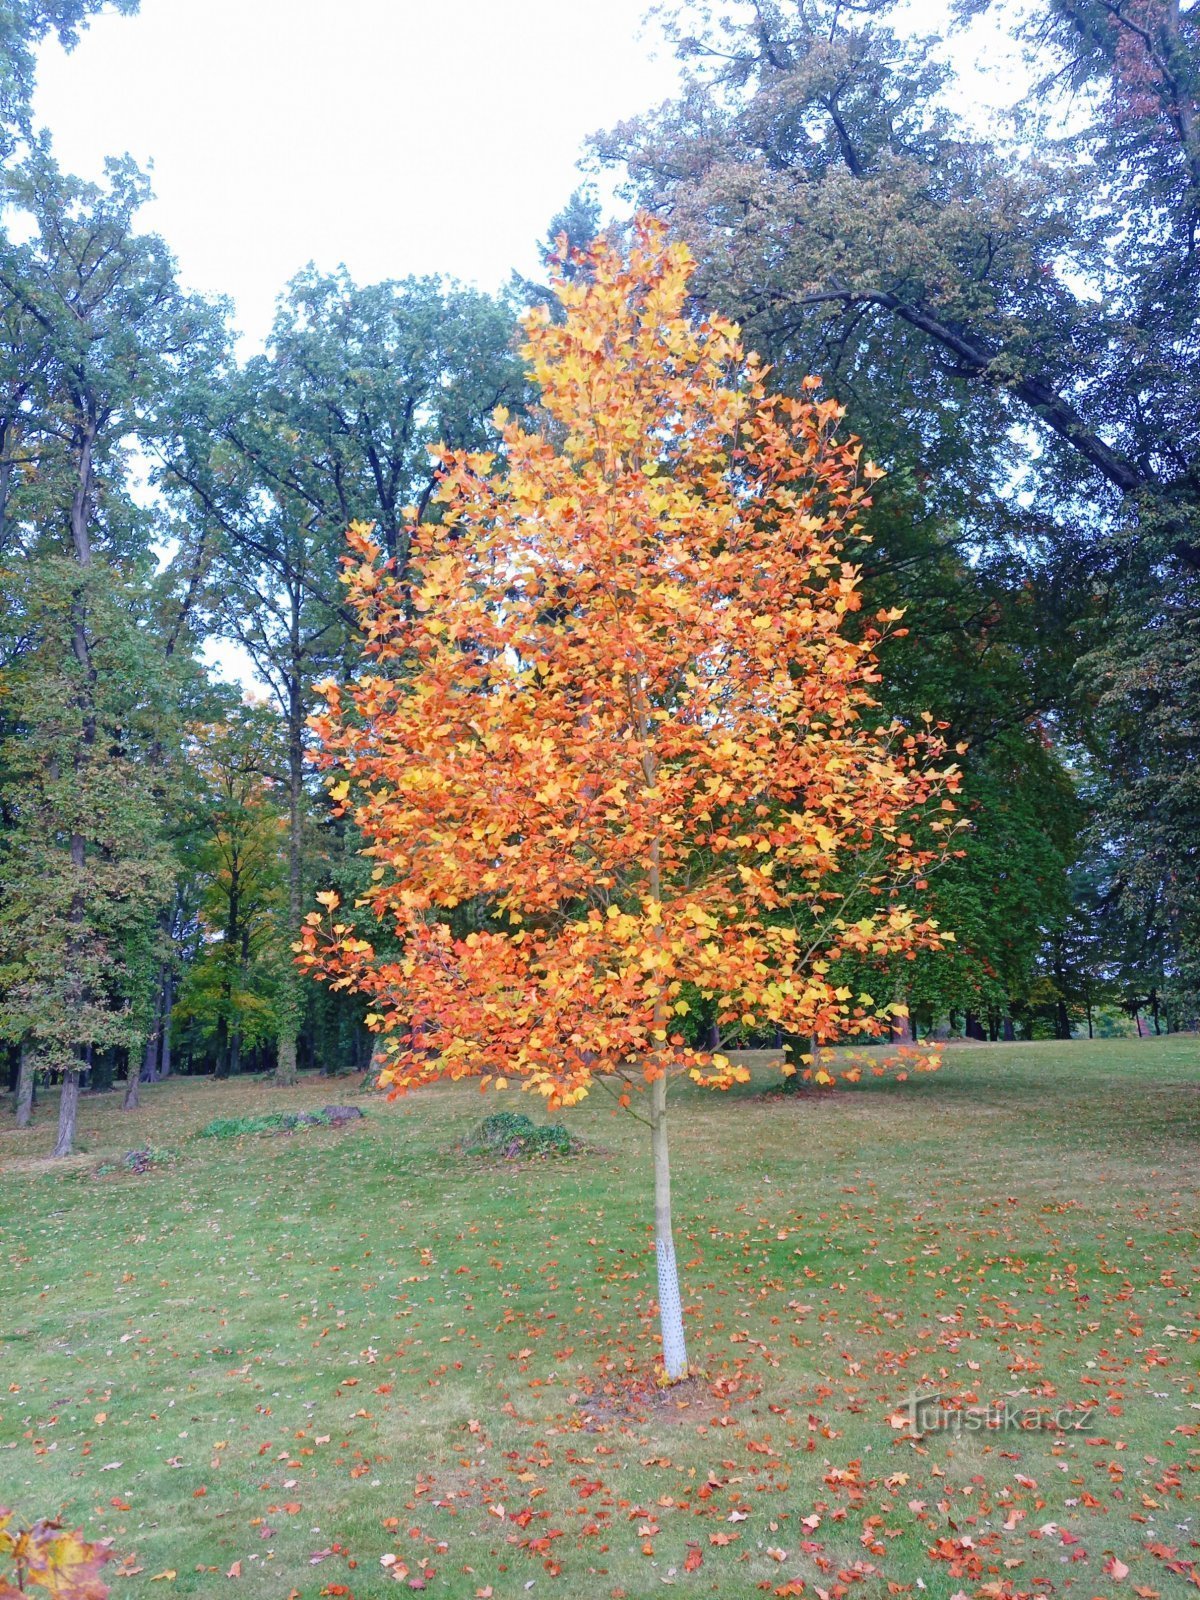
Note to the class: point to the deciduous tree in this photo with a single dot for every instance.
(618, 728)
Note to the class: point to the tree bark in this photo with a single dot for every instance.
(68, 1112)
(1062, 1020)
(289, 1011)
(902, 1030)
(133, 1077)
(150, 1060)
(68, 1106)
(670, 1309)
(25, 1073)
(164, 1049)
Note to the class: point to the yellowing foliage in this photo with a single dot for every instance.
(618, 719)
(50, 1560)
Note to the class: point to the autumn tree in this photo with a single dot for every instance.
(622, 724)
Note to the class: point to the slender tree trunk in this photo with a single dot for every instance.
(164, 1049)
(68, 1112)
(289, 1011)
(150, 1060)
(68, 1106)
(670, 1309)
(222, 1067)
(25, 1073)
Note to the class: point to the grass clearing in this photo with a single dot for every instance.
(290, 1358)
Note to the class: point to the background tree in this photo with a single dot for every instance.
(228, 997)
(106, 332)
(1011, 321)
(618, 717)
(273, 460)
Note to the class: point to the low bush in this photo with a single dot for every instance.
(514, 1137)
(279, 1122)
(147, 1159)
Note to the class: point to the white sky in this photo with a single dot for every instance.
(398, 136)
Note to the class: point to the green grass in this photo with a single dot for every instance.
(364, 1343)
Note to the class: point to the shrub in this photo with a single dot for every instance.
(513, 1136)
(144, 1160)
(279, 1122)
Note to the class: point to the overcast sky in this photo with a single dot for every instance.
(398, 136)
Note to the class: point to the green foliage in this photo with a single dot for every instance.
(278, 1122)
(514, 1137)
(24, 24)
(1013, 326)
(236, 1127)
(234, 794)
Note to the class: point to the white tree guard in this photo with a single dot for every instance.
(670, 1310)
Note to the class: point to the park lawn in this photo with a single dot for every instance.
(270, 1365)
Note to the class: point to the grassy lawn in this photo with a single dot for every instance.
(281, 1359)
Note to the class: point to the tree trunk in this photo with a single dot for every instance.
(164, 1048)
(150, 1060)
(289, 1010)
(104, 1071)
(68, 1111)
(902, 1032)
(222, 1067)
(670, 1309)
(1062, 1020)
(1009, 1031)
(25, 1073)
(133, 1078)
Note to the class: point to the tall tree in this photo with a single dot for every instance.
(837, 204)
(107, 332)
(275, 459)
(1012, 322)
(619, 718)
